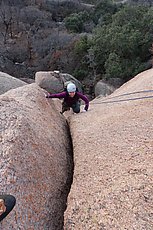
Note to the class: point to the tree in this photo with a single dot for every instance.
(129, 37)
(75, 22)
(103, 12)
(6, 18)
(113, 66)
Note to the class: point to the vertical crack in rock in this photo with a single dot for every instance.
(70, 170)
(60, 200)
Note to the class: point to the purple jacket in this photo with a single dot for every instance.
(71, 100)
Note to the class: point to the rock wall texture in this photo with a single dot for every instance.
(35, 159)
(53, 81)
(112, 148)
(113, 155)
(8, 82)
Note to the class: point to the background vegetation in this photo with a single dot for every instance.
(120, 43)
(89, 39)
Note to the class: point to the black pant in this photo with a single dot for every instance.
(75, 107)
(9, 202)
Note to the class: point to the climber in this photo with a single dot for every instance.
(71, 99)
(7, 202)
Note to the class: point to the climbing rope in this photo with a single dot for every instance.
(109, 100)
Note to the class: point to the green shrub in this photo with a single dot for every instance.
(81, 46)
(80, 74)
(113, 66)
(75, 22)
(122, 47)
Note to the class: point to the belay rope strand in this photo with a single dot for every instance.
(109, 100)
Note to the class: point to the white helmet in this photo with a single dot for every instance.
(71, 88)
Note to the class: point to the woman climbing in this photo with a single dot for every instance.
(71, 98)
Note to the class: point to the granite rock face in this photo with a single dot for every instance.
(113, 155)
(8, 82)
(103, 89)
(35, 159)
(53, 81)
(112, 147)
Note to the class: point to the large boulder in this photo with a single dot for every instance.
(53, 81)
(113, 154)
(36, 159)
(8, 82)
(103, 89)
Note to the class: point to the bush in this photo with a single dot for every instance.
(122, 47)
(75, 22)
(80, 74)
(113, 66)
(103, 11)
(82, 46)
